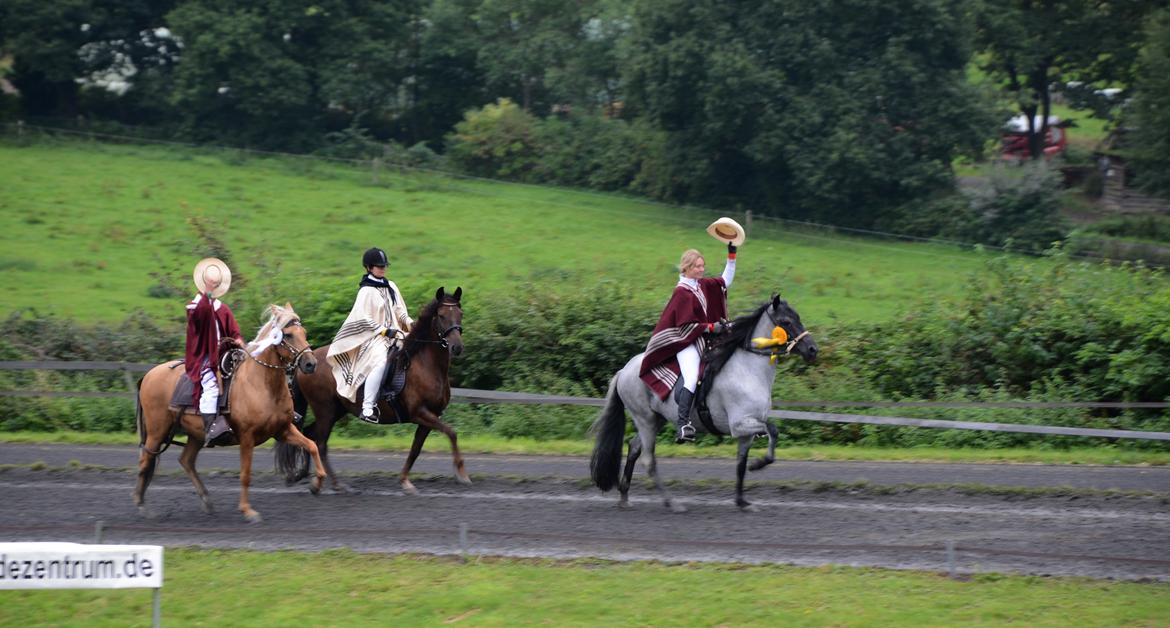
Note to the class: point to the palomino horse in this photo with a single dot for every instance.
(261, 408)
(739, 400)
(436, 336)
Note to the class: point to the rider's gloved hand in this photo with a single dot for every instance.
(731, 248)
(718, 327)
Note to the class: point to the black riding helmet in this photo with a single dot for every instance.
(375, 257)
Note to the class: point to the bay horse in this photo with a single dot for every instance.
(739, 399)
(261, 407)
(435, 337)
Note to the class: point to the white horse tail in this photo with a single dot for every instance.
(609, 428)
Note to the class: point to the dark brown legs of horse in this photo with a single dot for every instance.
(428, 421)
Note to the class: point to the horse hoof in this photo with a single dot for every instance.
(145, 512)
(253, 517)
(463, 479)
(624, 504)
(759, 463)
(745, 506)
(315, 487)
(207, 507)
(409, 488)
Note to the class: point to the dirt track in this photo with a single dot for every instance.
(532, 506)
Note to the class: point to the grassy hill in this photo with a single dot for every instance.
(93, 231)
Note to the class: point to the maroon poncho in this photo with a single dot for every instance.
(684, 320)
(206, 324)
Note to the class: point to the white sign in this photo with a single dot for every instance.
(77, 566)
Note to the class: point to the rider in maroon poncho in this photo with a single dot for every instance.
(209, 320)
(697, 307)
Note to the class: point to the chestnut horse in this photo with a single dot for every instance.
(260, 404)
(435, 337)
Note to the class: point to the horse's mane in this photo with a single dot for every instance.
(422, 327)
(723, 346)
(276, 318)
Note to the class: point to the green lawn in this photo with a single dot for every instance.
(342, 588)
(87, 230)
(398, 438)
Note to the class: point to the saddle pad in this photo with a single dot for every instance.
(183, 396)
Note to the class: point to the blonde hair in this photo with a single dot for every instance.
(690, 258)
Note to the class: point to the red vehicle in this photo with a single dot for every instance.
(1015, 137)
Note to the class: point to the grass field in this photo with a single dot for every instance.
(399, 439)
(89, 230)
(341, 588)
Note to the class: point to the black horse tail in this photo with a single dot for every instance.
(610, 429)
(292, 461)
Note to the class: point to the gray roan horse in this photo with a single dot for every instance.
(739, 400)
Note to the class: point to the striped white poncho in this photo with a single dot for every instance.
(359, 346)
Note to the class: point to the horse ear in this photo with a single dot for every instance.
(288, 305)
(776, 300)
(458, 293)
(274, 308)
(439, 294)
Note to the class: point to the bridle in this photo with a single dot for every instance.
(442, 336)
(788, 346)
(295, 355)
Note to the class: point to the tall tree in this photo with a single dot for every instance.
(1029, 45)
(520, 40)
(832, 110)
(56, 43)
(1151, 108)
(278, 73)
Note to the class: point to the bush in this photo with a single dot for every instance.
(498, 140)
(1020, 209)
(1058, 331)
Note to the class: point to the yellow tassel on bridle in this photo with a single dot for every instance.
(779, 339)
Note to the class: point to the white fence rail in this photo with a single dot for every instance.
(467, 395)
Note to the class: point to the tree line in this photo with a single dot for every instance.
(844, 111)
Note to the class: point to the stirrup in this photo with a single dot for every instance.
(372, 417)
(686, 433)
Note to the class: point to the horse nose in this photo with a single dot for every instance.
(309, 364)
(457, 349)
(812, 353)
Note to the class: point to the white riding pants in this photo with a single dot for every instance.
(209, 400)
(688, 363)
(372, 384)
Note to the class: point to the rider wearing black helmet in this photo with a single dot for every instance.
(376, 323)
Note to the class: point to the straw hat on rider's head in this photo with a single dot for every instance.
(727, 230)
(212, 272)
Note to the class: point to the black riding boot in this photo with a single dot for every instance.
(214, 426)
(686, 429)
